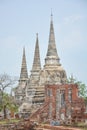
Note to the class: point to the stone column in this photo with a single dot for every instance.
(63, 98)
(50, 110)
(58, 103)
(70, 95)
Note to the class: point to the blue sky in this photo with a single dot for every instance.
(20, 20)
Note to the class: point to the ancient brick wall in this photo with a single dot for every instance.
(62, 103)
(73, 107)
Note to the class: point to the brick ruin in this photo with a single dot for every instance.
(63, 104)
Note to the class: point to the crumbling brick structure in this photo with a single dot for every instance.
(62, 103)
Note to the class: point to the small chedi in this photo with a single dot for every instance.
(45, 93)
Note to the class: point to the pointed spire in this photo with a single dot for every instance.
(51, 15)
(36, 63)
(52, 51)
(24, 73)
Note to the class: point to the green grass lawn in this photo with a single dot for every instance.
(84, 129)
(82, 126)
(9, 121)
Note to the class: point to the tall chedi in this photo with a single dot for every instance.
(53, 73)
(34, 89)
(36, 62)
(20, 91)
(52, 58)
(24, 73)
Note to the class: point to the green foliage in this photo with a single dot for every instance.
(9, 121)
(13, 107)
(6, 101)
(82, 87)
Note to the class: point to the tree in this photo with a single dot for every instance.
(5, 81)
(82, 86)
